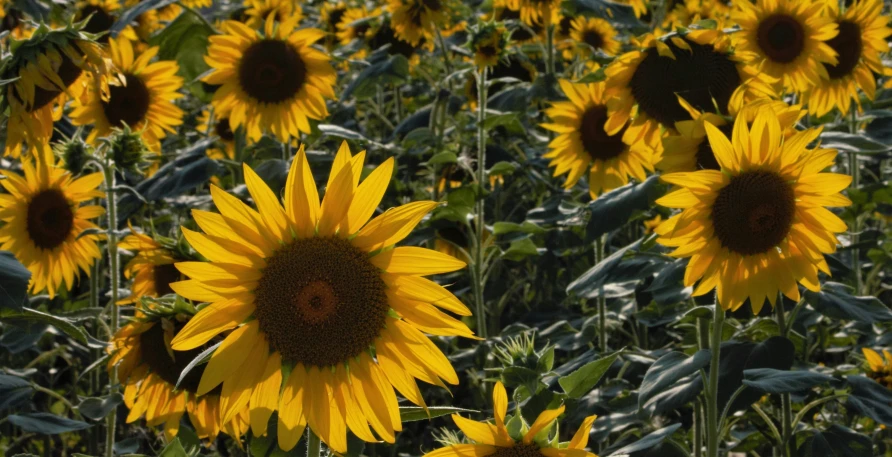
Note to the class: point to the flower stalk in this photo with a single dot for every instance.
(480, 206)
(786, 401)
(115, 283)
(712, 392)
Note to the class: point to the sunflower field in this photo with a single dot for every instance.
(446, 228)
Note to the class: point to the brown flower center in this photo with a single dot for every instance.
(320, 301)
(100, 21)
(754, 212)
(848, 48)
(50, 219)
(705, 156)
(272, 71)
(593, 39)
(518, 450)
(223, 130)
(127, 104)
(168, 364)
(162, 276)
(781, 37)
(596, 142)
(68, 72)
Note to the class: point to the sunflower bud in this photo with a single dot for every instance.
(128, 149)
(74, 154)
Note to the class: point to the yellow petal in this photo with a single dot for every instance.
(211, 321)
(368, 196)
(265, 397)
(545, 419)
(580, 439)
(229, 356)
(410, 260)
(392, 226)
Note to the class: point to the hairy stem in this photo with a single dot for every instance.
(480, 206)
(712, 401)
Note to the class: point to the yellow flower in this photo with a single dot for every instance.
(218, 126)
(141, 97)
(593, 34)
(688, 12)
(273, 82)
(414, 20)
(281, 10)
(861, 40)
(495, 439)
(786, 39)
(583, 144)
(102, 14)
(43, 217)
(537, 12)
(151, 269)
(488, 43)
(879, 368)
(653, 223)
(318, 287)
(355, 25)
(758, 225)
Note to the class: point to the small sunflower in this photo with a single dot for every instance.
(355, 25)
(593, 34)
(497, 440)
(273, 81)
(786, 39)
(331, 14)
(537, 12)
(758, 225)
(879, 368)
(506, 11)
(583, 144)
(151, 269)
(102, 15)
(43, 219)
(384, 35)
(141, 97)
(281, 10)
(149, 370)
(488, 44)
(219, 126)
(861, 40)
(687, 12)
(316, 288)
(414, 20)
(49, 68)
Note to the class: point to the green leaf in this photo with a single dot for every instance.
(417, 413)
(835, 301)
(46, 423)
(392, 70)
(667, 371)
(173, 449)
(185, 40)
(341, 132)
(588, 284)
(443, 158)
(99, 408)
(781, 381)
(61, 323)
(849, 142)
(198, 360)
(13, 390)
(613, 209)
(648, 442)
(520, 249)
(14, 278)
(510, 121)
(584, 379)
(870, 398)
(502, 228)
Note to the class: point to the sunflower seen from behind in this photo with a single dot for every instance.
(272, 81)
(529, 441)
(583, 145)
(758, 225)
(44, 214)
(858, 46)
(141, 96)
(326, 315)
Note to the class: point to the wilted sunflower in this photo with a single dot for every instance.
(49, 68)
(316, 287)
(141, 97)
(497, 440)
(879, 367)
(281, 10)
(43, 217)
(584, 145)
(149, 370)
(593, 34)
(414, 20)
(758, 225)
(861, 40)
(786, 39)
(271, 82)
(151, 269)
(488, 44)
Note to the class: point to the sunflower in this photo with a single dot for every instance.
(151, 268)
(786, 39)
(355, 24)
(498, 440)
(645, 84)
(879, 368)
(149, 370)
(219, 126)
(507, 11)
(414, 20)
(687, 12)
(861, 40)
(146, 23)
(102, 15)
(281, 10)
(331, 14)
(488, 44)
(687, 149)
(384, 35)
(583, 144)
(639, 7)
(316, 288)
(537, 12)
(141, 97)
(49, 68)
(270, 82)
(758, 225)
(43, 220)
(593, 34)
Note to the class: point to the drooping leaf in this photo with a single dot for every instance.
(61, 323)
(852, 142)
(393, 69)
(584, 379)
(98, 408)
(668, 370)
(46, 423)
(835, 301)
(588, 284)
(774, 381)
(13, 391)
(613, 209)
(14, 278)
(870, 398)
(649, 441)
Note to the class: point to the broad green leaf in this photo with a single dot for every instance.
(584, 379)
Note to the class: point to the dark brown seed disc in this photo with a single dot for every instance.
(223, 130)
(271, 71)
(68, 72)
(162, 276)
(705, 156)
(454, 235)
(702, 76)
(50, 219)
(781, 37)
(320, 302)
(127, 104)
(385, 36)
(100, 21)
(754, 212)
(518, 450)
(848, 46)
(156, 353)
(596, 142)
(593, 38)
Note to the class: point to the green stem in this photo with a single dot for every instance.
(549, 51)
(698, 429)
(855, 171)
(114, 275)
(602, 300)
(480, 205)
(712, 402)
(314, 446)
(786, 402)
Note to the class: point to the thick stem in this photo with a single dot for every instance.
(712, 393)
(480, 206)
(602, 300)
(786, 402)
(115, 278)
(314, 446)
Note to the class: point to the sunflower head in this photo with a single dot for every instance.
(593, 35)
(879, 367)
(127, 149)
(758, 225)
(259, 10)
(414, 20)
(99, 16)
(73, 154)
(152, 267)
(356, 24)
(488, 43)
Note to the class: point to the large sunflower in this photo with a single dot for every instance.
(414, 20)
(861, 40)
(497, 439)
(140, 97)
(317, 289)
(49, 68)
(593, 34)
(786, 39)
(273, 81)
(758, 225)
(149, 370)
(583, 144)
(151, 268)
(43, 219)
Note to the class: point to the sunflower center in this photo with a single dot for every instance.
(168, 364)
(50, 219)
(162, 276)
(223, 130)
(705, 157)
(754, 212)
(487, 50)
(593, 39)
(518, 450)
(702, 76)
(781, 37)
(596, 142)
(320, 301)
(848, 47)
(271, 71)
(100, 21)
(127, 104)
(68, 72)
